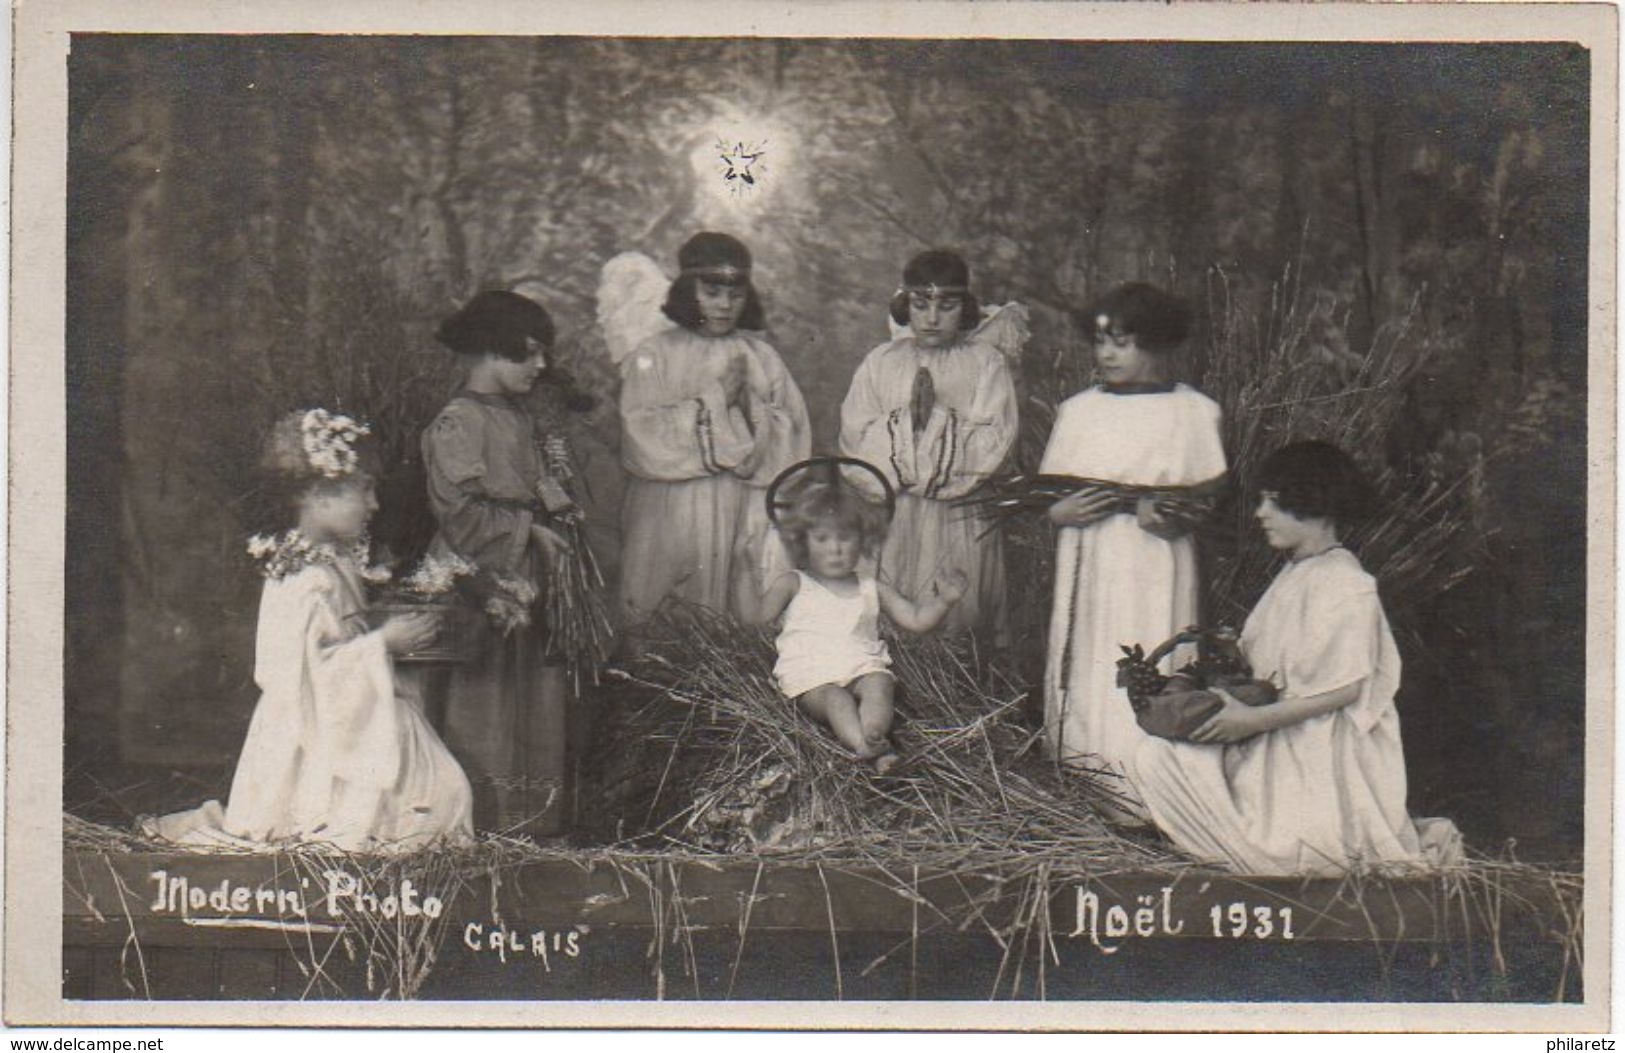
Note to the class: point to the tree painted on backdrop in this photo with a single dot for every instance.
(307, 209)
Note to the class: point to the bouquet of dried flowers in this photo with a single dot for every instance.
(456, 592)
(435, 577)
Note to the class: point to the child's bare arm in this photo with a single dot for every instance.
(758, 607)
(1238, 721)
(925, 615)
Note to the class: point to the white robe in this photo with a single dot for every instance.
(1115, 583)
(965, 439)
(699, 468)
(338, 751)
(1319, 796)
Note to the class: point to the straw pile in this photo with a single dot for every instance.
(738, 768)
(1280, 379)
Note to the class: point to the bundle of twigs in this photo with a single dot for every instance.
(578, 626)
(1005, 498)
(745, 769)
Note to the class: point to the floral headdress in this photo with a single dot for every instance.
(305, 446)
(312, 444)
(329, 442)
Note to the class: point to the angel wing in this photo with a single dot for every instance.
(1003, 325)
(631, 288)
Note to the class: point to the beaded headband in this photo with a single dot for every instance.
(1105, 328)
(719, 272)
(932, 289)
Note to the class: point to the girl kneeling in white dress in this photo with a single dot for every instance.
(1315, 782)
(338, 752)
(832, 661)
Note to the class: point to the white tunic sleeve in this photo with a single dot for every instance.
(1338, 646)
(964, 447)
(1057, 459)
(674, 425)
(1323, 629)
(1165, 439)
(876, 425)
(782, 434)
(1204, 441)
(345, 681)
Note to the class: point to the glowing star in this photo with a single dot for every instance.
(739, 164)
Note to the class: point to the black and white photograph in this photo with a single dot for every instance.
(835, 515)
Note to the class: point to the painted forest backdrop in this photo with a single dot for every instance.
(1387, 245)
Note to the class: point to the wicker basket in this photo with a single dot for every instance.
(1172, 707)
(457, 630)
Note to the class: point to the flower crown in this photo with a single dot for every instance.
(288, 553)
(329, 442)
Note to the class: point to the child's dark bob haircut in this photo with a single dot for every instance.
(683, 304)
(941, 271)
(1158, 321)
(721, 259)
(1316, 480)
(840, 504)
(498, 322)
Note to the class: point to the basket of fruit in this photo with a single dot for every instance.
(1172, 707)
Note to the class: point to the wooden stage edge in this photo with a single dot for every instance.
(550, 912)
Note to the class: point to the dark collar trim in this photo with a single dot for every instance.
(1138, 388)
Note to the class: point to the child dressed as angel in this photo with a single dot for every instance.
(338, 752)
(709, 416)
(935, 409)
(1123, 571)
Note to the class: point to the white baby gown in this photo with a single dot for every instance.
(829, 638)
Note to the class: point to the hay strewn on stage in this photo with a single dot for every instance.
(738, 767)
(1485, 910)
(714, 768)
